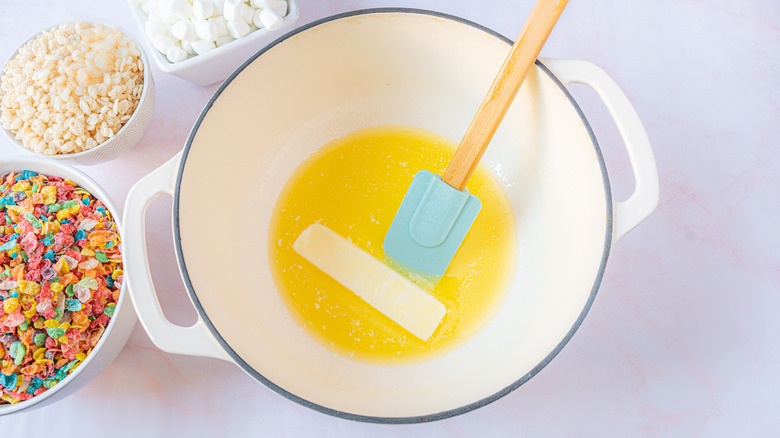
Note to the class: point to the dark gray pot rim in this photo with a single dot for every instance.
(373, 419)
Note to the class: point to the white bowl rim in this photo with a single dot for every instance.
(380, 419)
(141, 100)
(24, 163)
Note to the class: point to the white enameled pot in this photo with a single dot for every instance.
(388, 67)
(122, 322)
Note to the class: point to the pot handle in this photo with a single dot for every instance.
(629, 213)
(195, 340)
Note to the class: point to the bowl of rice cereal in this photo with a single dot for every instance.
(78, 91)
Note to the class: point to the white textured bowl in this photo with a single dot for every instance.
(122, 323)
(127, 136)
(216, 65)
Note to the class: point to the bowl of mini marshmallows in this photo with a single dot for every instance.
(204, 41)
(79, 91)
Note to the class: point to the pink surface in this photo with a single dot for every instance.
(683, 337)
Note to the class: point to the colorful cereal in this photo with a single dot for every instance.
(60, 277)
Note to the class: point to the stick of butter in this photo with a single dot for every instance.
(376, 283)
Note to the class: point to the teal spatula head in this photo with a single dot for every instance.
(430, 225)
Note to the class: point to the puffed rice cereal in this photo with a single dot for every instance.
(71, 88)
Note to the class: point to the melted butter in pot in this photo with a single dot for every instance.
(354, 186)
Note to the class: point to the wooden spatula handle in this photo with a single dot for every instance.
(505, 86)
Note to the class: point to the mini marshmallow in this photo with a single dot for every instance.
(246, 12)
(256, 18)
(180, 8)
(221, 23)
(175, 54)
(148, 5)
(237, 28)
(165, 15)
(153, 28)
(270, 19)
(162, 43)
(230, 10)
(207, 30)
(259, 4)
(219, 6)
(183, 30)
(202, 46)
(237, 11)
(278, 6)
(224, 39)
(187, 47)
(202, 9)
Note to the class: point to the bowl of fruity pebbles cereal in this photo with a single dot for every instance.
(63, 312)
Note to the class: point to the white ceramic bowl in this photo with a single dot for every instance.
(218, 64)
(123, 321)
(389, 67)
(124, 139)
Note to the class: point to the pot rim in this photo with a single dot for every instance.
(368, 418)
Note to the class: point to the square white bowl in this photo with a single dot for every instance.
(217, 64)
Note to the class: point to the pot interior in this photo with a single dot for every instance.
(388, 68)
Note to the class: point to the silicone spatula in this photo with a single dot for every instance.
(437, 212)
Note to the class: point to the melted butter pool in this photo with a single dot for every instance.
(354, 186)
